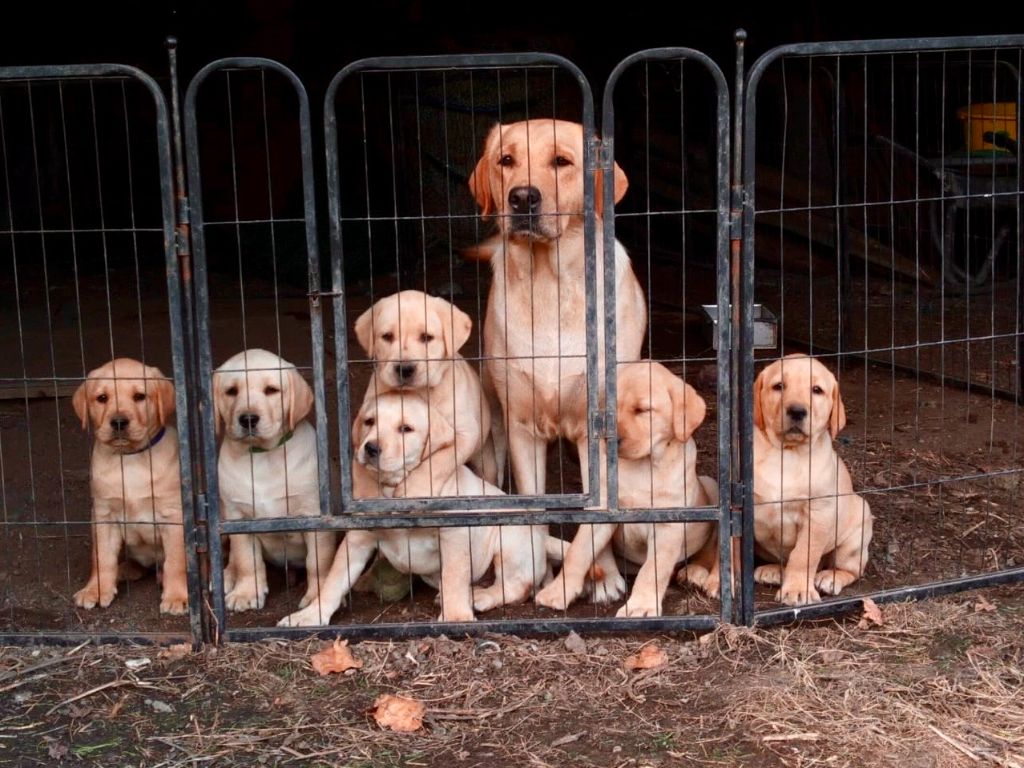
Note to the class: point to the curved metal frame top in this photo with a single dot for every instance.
(746, 368)
(724, 385)
(205, 372)
(454, 63)
(181, 398)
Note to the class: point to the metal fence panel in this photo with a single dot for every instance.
(886, 237)
(87, 209)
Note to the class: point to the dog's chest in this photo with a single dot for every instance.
(786, 483)
(137, 488)
(413, 551)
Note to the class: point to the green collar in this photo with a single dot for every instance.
(284, 439)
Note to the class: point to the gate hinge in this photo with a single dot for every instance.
(735, 224)
(202, 508)
(602, 155)
(736, 493)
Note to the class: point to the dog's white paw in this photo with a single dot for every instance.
(91, 595)
(770, 574)
(310, 616)
(554, 595)
(831, 581)
(174, 604)
(245, 597)
(608, 589)
(638, 609)
(798, 594)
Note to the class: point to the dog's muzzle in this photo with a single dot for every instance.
(248, 422)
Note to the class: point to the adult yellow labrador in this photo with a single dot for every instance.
(414, 339)
(805, 508)
(134, 478)
(657, 415)
(394, 433)
(530, 177)
(267, 468)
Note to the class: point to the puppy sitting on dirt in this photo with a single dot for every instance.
(394, 433)
(267, 468)
(804, 505)
(657, 415)
(134, 478)
(414, 339)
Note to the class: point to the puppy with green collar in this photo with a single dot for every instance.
(267, 468)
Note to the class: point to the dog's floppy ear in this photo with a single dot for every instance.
(219, 419)
(758, 411)
(456, 325)
(163, 393)
(837, 418)
(441, 435)
(300, 399)
(621, 185)
(688, 409)
(80, 402)
(480, 179)
(364, 331)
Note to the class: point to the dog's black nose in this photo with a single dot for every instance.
(796, 412)
(371, 450)
(524, 199)
(405, 371)
(249, 420)
(119, 423)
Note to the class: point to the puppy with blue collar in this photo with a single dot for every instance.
(134, 480)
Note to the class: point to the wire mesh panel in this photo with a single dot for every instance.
(670, 135)
(260, 337)
(95, 481)
(883, 229)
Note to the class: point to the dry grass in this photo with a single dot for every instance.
(938, 684)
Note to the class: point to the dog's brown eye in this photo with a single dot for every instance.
(426, 338)
(138, 397)
(561, 161)
(369, 422)
(778, 386)
(638, 410)
(101, 398)
(405, 428)
(271, 391)
(507, 161)
(231, 391)
(817, 390)
(388, 337)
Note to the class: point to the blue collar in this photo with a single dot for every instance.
(152, 441)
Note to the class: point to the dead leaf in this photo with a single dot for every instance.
(118, 706)
(575, 644)
(335, 658)
(983, 605)
(872, 614)
(398, 713)
(175, 652)
(649, 657)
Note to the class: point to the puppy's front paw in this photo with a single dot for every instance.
(798, 593)
(175, 604)
(245, 597)
(459, 614)
(770, 574)
(91, 595)
(554, 595)
(832, 580)
(639, 608)
(311, 596)
(310, 616)
(608, 589)
(693, 574)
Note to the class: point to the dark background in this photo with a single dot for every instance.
(316, 39)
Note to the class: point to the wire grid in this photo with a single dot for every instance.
(890, 250)
(82, 248)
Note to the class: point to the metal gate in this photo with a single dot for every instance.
(885, 233)
(89, 239)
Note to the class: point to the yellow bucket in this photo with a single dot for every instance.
(979, 119)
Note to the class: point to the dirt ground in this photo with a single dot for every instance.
(937, 683)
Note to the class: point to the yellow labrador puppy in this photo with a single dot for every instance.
(805, 508)
(393, 434)
(267, 468)
(657, 415)
(415, 340)
(135, 480)
(530, 177)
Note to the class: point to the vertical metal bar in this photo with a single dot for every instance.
(184, 358)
